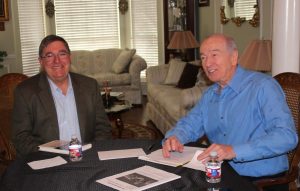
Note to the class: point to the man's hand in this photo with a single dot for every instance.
(225, 152)
(170, 145)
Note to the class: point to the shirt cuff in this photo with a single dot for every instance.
(241, 152)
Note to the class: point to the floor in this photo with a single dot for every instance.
(138, 115)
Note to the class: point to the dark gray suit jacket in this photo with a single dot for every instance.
(34, 119)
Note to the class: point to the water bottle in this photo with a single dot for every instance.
(75, 149)
(213, 168)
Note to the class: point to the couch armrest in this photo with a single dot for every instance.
(136, 65)
(157, 74)
(190, 97)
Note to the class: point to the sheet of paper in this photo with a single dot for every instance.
(46, 163)
(176, 158)
(138, 179)
(196, 164)
(59, 146)
(117, 154)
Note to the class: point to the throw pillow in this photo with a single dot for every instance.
(188, 77)
(122, 60)
(175, 70)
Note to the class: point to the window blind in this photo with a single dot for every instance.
(144, 32)
(88, 24)
(31, 23)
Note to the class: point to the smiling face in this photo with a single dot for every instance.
(55, 61)
(219, 58)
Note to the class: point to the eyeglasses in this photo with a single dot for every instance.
(49, 57)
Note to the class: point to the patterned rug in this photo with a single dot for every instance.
(136, 131)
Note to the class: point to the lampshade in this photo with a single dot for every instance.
(258, 56)
(183, 40)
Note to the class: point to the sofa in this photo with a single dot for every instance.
(121, 68)
(167, 102)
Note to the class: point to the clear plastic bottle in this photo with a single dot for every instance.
(213, 168)
(75, 149)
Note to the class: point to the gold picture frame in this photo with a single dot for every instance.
(4, 10)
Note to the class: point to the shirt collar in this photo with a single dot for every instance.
(54, 87)
(235, 83)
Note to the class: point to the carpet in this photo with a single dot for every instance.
(136, 131)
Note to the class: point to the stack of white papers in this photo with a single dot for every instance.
(188, 158)
(138, 179)
(59, 146)
(117, 154)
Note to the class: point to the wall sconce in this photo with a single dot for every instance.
(123, 6)
(49, 8)
(257, 56)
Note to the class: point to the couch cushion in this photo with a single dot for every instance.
(81, 61)
(188, 77)
(123, 60)
(174, 72)
(112, 78)
(166, 98)
(103, 59)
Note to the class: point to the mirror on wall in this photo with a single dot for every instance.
(240, 11)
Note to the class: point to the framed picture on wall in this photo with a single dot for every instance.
(3, 10)
(203, 3)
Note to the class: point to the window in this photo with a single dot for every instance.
(96, 25)
(144, 33)
(88, 25)
(31, 23)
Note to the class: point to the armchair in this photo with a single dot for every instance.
(290, 83)
(8, 82)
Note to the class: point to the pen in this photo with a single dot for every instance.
(151, 147)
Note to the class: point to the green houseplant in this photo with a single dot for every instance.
(2, 55)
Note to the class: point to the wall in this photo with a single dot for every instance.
(209, 23)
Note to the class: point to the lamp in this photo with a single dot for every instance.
(258, 56)
(183, 40)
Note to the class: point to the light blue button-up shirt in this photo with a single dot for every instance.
(251, 115)
(66, 111)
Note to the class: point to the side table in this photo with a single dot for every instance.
(114, 114)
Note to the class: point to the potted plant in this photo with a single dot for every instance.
(2, 55)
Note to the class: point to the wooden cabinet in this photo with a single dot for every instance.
(179, 15)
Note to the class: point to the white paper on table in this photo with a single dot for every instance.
(59, 146)
(196, 164)
(138, 179)
(46, 163)
(176, 158)
(117, 154)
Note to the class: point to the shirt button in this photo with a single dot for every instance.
(224, 135)
(221, 117)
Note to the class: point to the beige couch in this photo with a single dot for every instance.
(167, 103)
(121, 67)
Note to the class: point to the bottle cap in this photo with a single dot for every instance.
(213, 154)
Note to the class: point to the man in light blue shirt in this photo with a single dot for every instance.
(244, 115)
(66, 110)
(56, 103)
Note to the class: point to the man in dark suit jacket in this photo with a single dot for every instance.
(35, 119)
